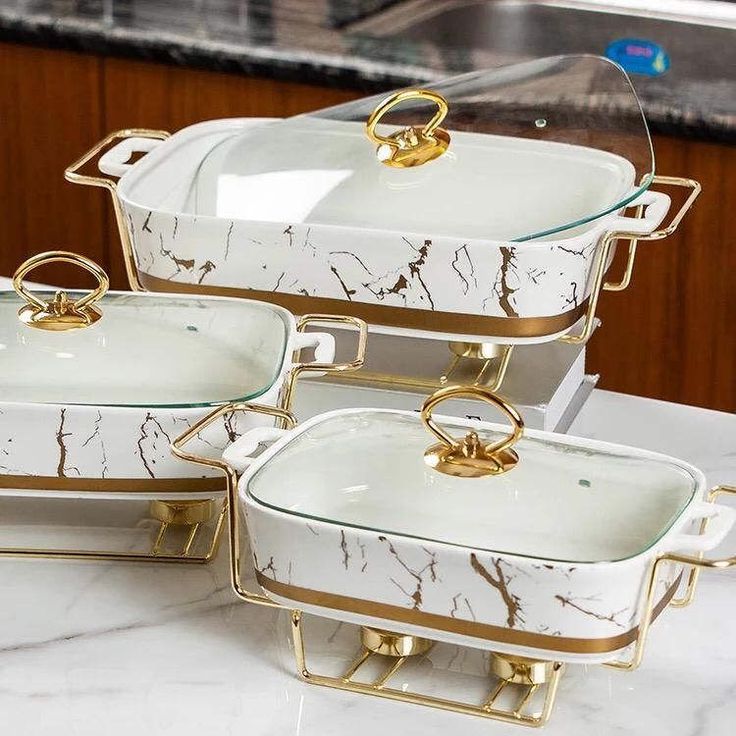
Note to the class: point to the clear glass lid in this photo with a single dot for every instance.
(563, 500)
(144, 351)
(512, 153)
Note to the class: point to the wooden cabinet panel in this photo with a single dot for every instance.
(49, 112)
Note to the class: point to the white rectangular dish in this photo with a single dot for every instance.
(93, 408)
(550, 559)
(504, 237)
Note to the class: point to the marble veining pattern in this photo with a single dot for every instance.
(559, 599)
(109, 442)
(436, 274)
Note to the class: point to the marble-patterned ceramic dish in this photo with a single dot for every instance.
(92, 408)
(500, 237)
(352, 517)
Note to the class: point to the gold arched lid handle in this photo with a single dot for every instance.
(413, 145)
(469, 457)
(61, 313)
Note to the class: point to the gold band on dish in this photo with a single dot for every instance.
(113, 485)
(462, 627)
(405, 317)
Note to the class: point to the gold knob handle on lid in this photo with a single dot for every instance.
(469, 457)
(412, 145)
(61, 313)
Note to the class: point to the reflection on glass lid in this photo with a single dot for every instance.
(366, 469)
(145, 351)
(534, 149)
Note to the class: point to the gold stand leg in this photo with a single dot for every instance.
(520, 673)
(191, 514)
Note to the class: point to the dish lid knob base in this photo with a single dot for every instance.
(60, 313)
(470, 457)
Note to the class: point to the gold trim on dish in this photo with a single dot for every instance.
(475, 629)
(61, 313)
(405, 317)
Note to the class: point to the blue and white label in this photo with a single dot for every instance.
(639, 56)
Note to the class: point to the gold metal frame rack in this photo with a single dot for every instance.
(526, 676)
(529, 675)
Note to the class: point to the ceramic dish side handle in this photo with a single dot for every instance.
(323, 344)
(721, 520)
(114, 161)
(724, 519)
(239, 454)
(255, 435)
(114, 151)
(654, 208)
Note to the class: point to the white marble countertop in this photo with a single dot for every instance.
(103, 648)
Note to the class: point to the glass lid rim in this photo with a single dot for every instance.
(286, 317)
(46, 289)
(530, 240)
(694, 474)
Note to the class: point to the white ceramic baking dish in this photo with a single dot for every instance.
(561, 549)
(505, 236)
(96, 385)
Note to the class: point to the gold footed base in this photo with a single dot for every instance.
(521, 670)
(182, 512)
(186, 515)
(390, 644)
(526, 676)
(471, 362)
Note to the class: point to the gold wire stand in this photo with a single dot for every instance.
(521, 676)
(469, 368)
(194, 533)
(695, 563)
(604, 252)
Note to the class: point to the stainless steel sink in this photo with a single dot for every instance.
(698, 35)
